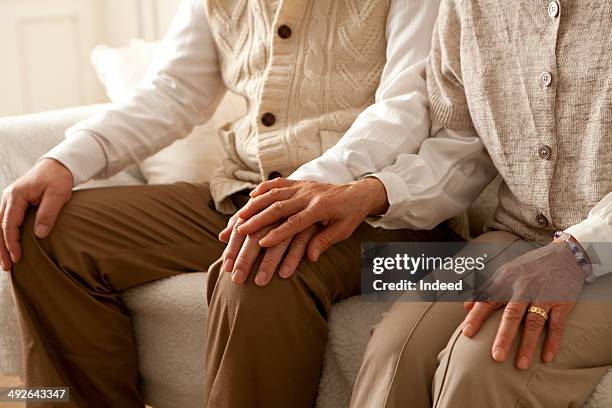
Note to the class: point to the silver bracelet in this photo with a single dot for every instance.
(580, 255)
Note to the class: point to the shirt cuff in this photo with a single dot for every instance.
(593, 229)
(81, 154)
(595, 235)
(398, 202)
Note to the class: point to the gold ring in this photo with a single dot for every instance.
(540, 311)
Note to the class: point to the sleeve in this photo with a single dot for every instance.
(439, 182)
(447, 99)
(427, 179)
(182, 89)
(595, 235)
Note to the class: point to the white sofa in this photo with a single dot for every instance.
(170, 316)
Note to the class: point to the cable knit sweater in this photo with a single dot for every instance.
(307, 68)
(534, 80)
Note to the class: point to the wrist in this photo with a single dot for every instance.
(578, 252)
(375, 195)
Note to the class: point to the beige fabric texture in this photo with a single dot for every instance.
(315, 82)
(480, 75)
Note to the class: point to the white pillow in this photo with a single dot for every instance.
(193, 158)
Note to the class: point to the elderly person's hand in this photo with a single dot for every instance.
(296, 217)
(539, 287)
(302, 204)
(48, 186)
(242, 251)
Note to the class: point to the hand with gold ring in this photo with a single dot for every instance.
(536, 289)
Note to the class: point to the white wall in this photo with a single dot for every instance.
(45, 47)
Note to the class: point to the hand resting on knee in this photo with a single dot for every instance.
(48, 185)
(290, 219)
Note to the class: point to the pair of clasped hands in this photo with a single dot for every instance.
(290, 220)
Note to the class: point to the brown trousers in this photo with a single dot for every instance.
(265, 345)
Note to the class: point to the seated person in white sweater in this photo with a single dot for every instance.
(308, 71)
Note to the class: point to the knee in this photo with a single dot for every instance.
(472, 370)
(402, 343)
(36, 251)
(279, 300)
(23, 276)
(471, 361)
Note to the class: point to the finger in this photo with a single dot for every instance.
(5, 257)
(14, 215)
(226, 233)
(271, 259)
(296, 252)
(292, 226)
(246, 258)
(233, 247)
(477, 316)
(48, 210)
(469, 305)
(329, 236)
(532, 330)
(263, 201)
(508, 329)
(269, 185)
(276, 212)
(556, 327)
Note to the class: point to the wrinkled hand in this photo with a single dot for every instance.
(297, 206)
(49, 186)
(549, 278)
(242, 251)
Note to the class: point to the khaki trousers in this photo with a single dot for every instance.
(418, 357)
(265, 345)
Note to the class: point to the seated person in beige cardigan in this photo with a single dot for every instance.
(532, 81)
(312, 72)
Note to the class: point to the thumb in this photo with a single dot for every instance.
(49, 208)
(329, 236)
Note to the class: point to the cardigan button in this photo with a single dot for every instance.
(542, 220)
(544, 152)
(274, 175)
(268, 119)
(284, 32)
(553, 9)
(545, 79)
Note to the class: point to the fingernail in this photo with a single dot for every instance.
(229, 264)
(13, 257)
(315, 254)
(3, 266)
(548, 357)
(523, 363)
(499, 355)
(261, 278)
(41, 230)
(284, 272)
(468, 330)
(237, 276)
